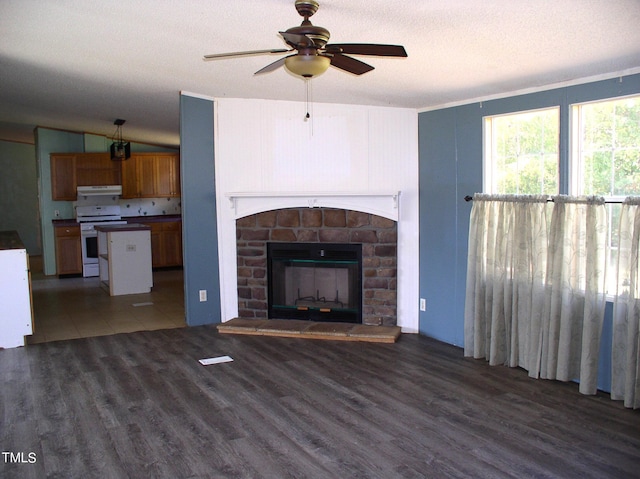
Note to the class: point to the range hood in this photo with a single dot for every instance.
(108, 190)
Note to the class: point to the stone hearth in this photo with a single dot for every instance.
(377, 235)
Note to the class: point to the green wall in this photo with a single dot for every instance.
(19, 193)
(55, 141)
(47, 142)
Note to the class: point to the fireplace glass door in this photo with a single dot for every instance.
(315, 281)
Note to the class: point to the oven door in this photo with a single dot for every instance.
(90, 248)
(89, 238)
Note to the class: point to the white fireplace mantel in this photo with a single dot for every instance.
(385, 204)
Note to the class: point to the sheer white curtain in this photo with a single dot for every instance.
(625, 368)
(535, 289)
(575, 291)
(505, 278)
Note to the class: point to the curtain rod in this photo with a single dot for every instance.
(470, 198)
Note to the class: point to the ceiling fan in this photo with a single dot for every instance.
(314, 54)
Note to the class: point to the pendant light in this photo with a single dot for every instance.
(120, 150)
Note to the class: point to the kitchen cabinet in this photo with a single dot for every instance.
(166, 243)
(97, 169)
(63, 177)
(70, 170)
(68, 249)
(151, 175)
(168, 177)
(16, 309)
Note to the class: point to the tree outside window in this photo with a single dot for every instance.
(522, 153)
(607, 147)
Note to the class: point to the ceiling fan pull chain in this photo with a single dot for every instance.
(306, 82)
(309, 103)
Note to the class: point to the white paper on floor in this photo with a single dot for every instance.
(219, 359)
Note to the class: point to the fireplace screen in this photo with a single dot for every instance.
(315, 281)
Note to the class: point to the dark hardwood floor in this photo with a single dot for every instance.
(141, 405)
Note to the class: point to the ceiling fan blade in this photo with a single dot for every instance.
(296, 40)
(349, 64)
(272, 66)
(240, 54)
(367, 49)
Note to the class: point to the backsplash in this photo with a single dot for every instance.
(150, 206)
(135, 206)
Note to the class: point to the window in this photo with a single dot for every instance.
(522, 156)
(606, 148)
(521, 153)
(605, 159)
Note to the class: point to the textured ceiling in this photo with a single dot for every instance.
(78, 65)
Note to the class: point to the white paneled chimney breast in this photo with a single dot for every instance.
(350, 157)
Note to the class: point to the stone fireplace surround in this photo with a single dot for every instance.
(397, 206)
(378, 236)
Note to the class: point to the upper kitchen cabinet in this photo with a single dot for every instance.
(137, 176)
(97, 169)
(70, 170)
(63, 177)
(168, 181)
(151, 175)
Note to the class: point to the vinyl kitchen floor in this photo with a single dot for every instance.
(72, 308)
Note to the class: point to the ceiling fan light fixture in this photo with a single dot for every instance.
(307, 66)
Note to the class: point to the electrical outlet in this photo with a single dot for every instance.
(56, 213)
(423, 304)
(203, 295)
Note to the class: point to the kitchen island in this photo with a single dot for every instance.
(124, 258)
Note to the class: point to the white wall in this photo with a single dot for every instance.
(267, 147)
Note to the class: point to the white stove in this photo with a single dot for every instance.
(89, 217)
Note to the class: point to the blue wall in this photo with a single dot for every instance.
(450, 152)
(199, 227)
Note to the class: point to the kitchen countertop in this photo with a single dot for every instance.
(10, 240)
(64, 222)
(152, 218)
(127, 227)
(129, 219)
